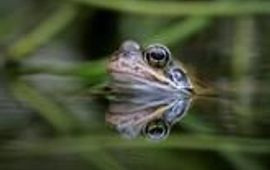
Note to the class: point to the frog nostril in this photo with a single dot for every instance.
(190, 90)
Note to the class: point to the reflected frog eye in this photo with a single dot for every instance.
(157, 55)
(156, 130)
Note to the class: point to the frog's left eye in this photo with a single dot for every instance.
(157, 55)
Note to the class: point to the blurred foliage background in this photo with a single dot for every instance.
(53, 56)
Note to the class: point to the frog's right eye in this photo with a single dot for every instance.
(177, 75)
(157, 55)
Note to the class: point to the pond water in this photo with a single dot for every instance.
(226, 131)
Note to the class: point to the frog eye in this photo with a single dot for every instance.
(177, 75)
(156, 130)
(157, 55)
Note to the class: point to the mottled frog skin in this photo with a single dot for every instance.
(153, 120)
(148, 71)
(152, 91)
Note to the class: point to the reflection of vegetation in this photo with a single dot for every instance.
(200, 142)
(199, 17)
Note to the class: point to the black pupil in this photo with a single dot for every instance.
(158, 54)
(156, 131)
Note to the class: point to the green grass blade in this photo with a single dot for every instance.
(172, 8)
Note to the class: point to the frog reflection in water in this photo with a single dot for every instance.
(151, 90)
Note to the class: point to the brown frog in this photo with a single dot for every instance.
(152, 90)
(151, 70)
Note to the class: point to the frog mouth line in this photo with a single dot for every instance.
(132, 72)
(131, 82)
(151, 74)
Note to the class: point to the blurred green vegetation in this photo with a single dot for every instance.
(222, 40)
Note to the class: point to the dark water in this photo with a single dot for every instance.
(229, 131)
(51, 122)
